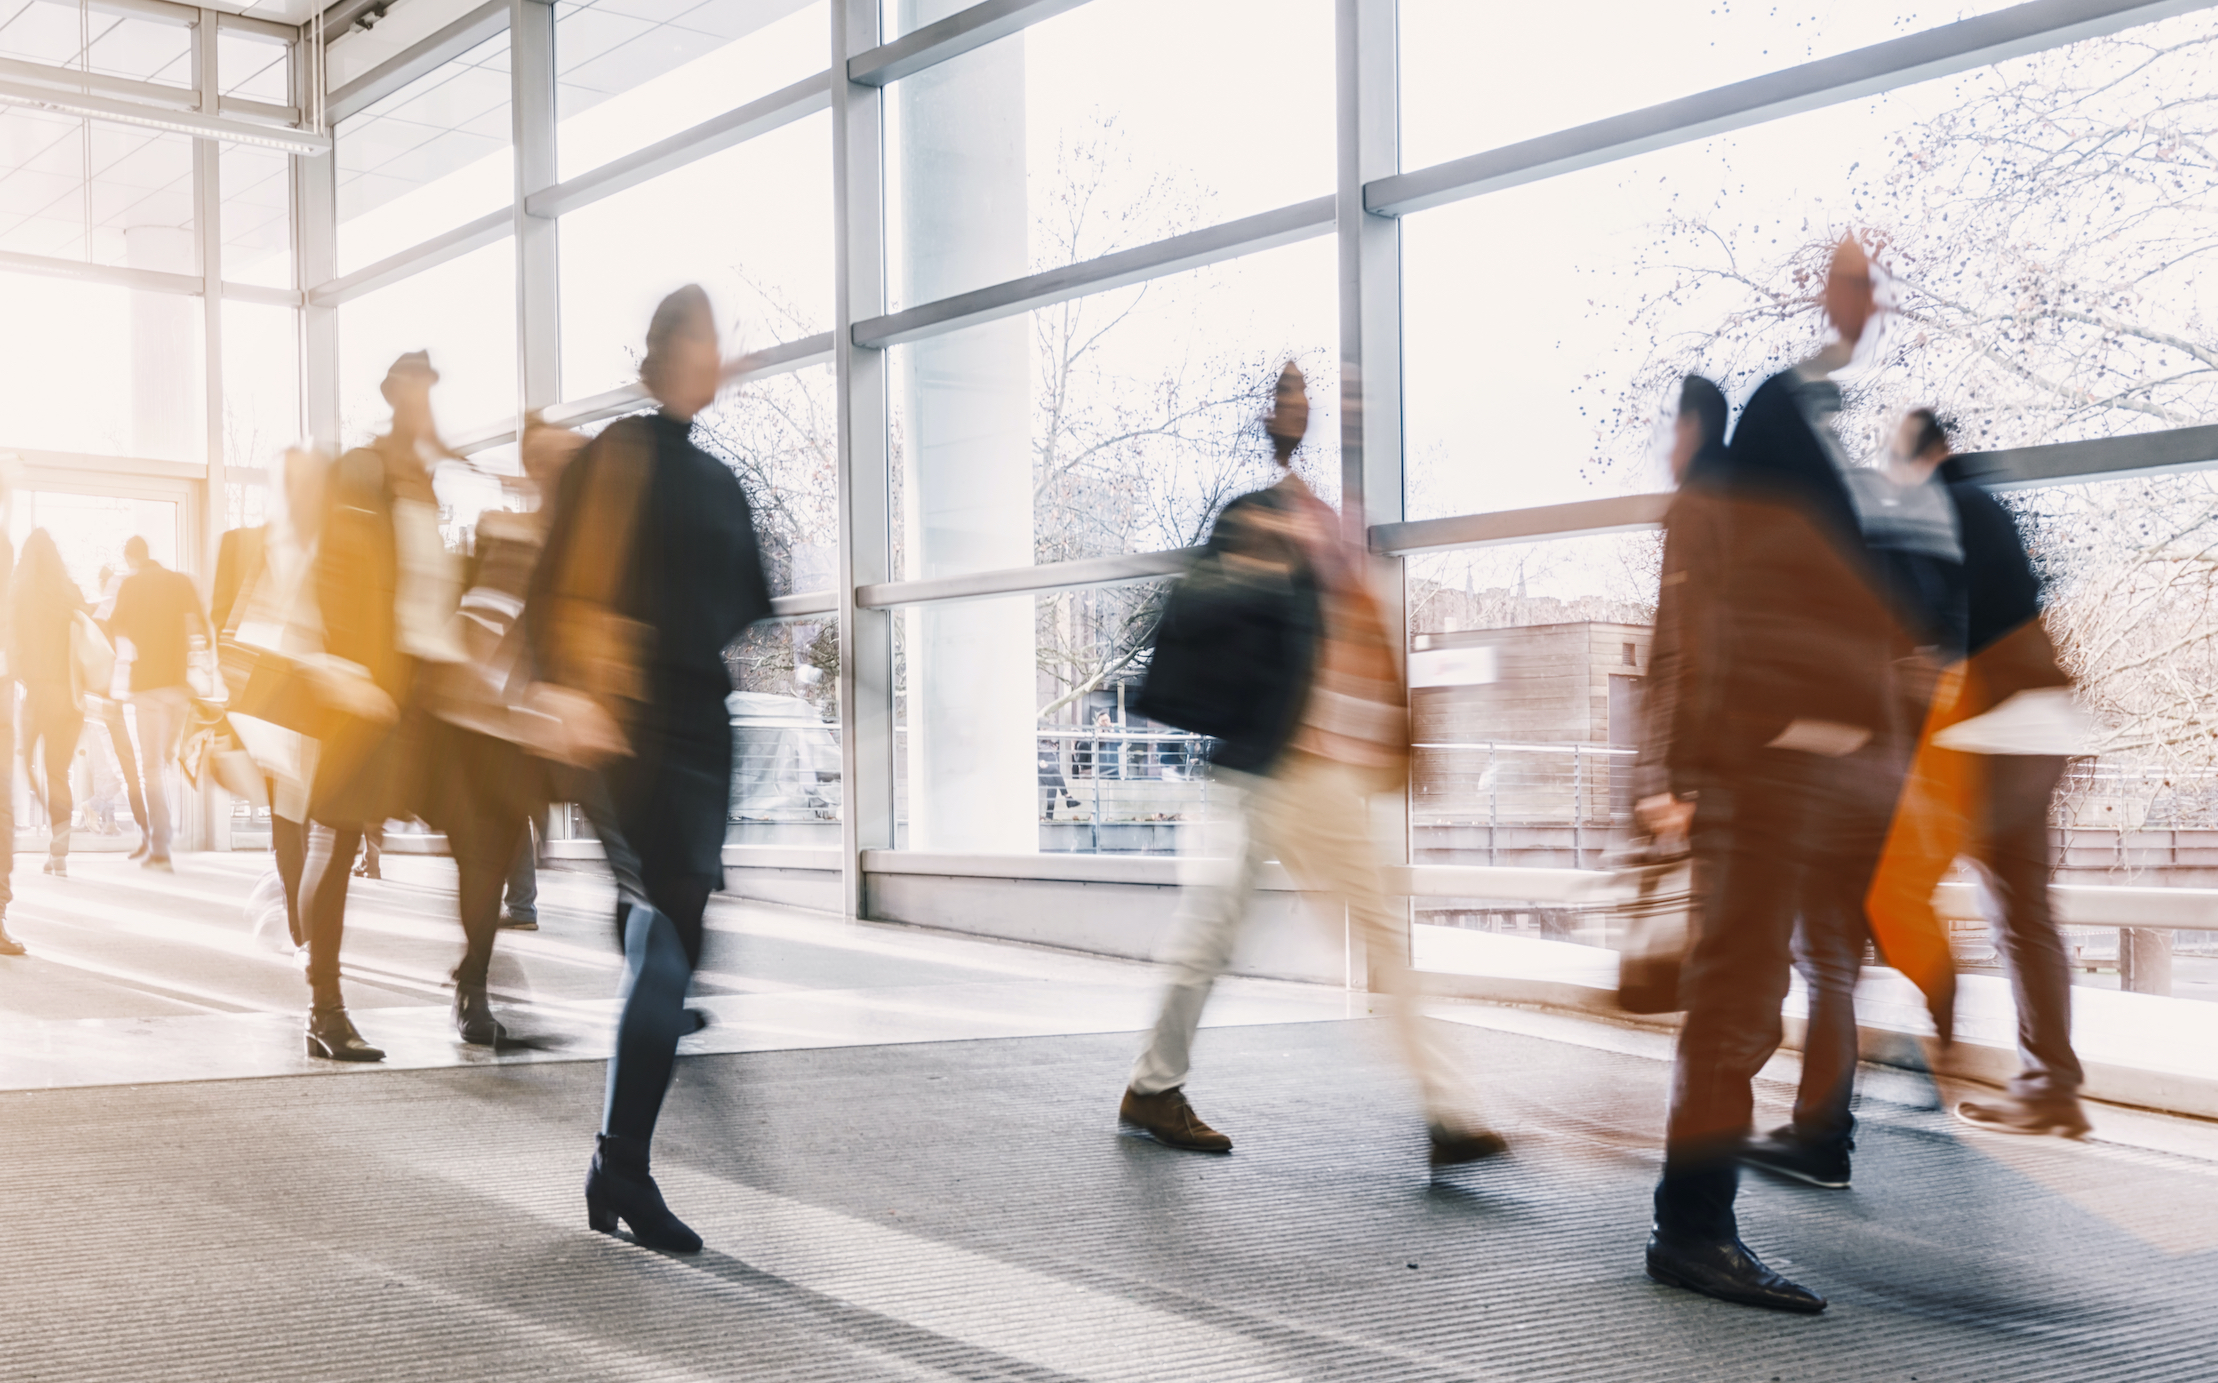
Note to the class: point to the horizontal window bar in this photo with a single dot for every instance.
(2018, 468)
(72, 79)
(804, 603)
(255, 293)
(147, 115)
(780, 108)
(1211, 245)
(424, 56)
(160, 11)
(1614, 514)
(257, 110)
(471, 235)
(1051, 576)
(266, 28)
(630, 398)
(1936, 52)
(957, 34)
(145, 280)
(2107, 458)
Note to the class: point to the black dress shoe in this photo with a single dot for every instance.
(618, 1186)
(473, 1017)
(331, 1035)
(1823, 1164)
(1725, 1269)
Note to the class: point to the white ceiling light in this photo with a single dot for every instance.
(86, 104)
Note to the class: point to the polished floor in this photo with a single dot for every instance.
(902, 1151)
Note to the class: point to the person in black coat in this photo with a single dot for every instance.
(688, 582)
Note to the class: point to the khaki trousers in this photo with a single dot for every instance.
(1313, 816)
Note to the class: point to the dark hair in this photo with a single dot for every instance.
(673, 315)
(134, 548)
(1933, 431)
(1705, 402)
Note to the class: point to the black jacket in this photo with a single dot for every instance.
(1236, 647)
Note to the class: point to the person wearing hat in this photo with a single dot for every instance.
(386, 590)
(650, 572)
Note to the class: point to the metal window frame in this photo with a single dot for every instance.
(1370, 192)
(419, 59)
(1868, 71)
(1193, 250)
(950, 37)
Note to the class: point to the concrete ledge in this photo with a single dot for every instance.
(2138, 1049)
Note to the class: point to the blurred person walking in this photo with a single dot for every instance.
(9, 946)
(105, 705)
(49, 634)
(1279, 650)
(386, 590)
(1773, 745)
(1983, 784)
(263, 593)
(651, 570)
(158, 611)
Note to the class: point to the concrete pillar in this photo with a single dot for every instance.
(2144, 960)
(967, 492)
(164, 343)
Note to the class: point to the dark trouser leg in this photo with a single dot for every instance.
(1748, 841)
(119, 734)
(481, 857)
(2013, 852)
(289, 843)
(522, 896)
(7, 791)
(652, 1018)
(59, 727)
(1829, 952)
(323, 905)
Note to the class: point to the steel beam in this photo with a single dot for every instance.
(780, 108)
(492, 227)
(1119, 570)
(951, 37)
(1193, 250)
(1936, 52)
(420, 58)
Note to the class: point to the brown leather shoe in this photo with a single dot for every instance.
(1454, 1146)
(2061, 1117)
(1171, 1121)
(9, 946)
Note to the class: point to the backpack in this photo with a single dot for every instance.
(1236, 645)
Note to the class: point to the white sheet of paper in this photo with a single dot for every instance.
(1829, 738)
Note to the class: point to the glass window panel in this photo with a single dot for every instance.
(253, 67)
(135, 46)
(427, 158)
(786, 778)
(109, 371)
(137, 204)
(1013, 712)
(1116, 423)
(464, 313)
(1091, 132)
(1475, 77)
(257, 216)
(630, 72)
(261, 383)
(770, 277)
(1526, 668)
(2050, 277)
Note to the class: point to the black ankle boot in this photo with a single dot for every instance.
(617, 1186)
(473, 1017)
(331, 1035)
